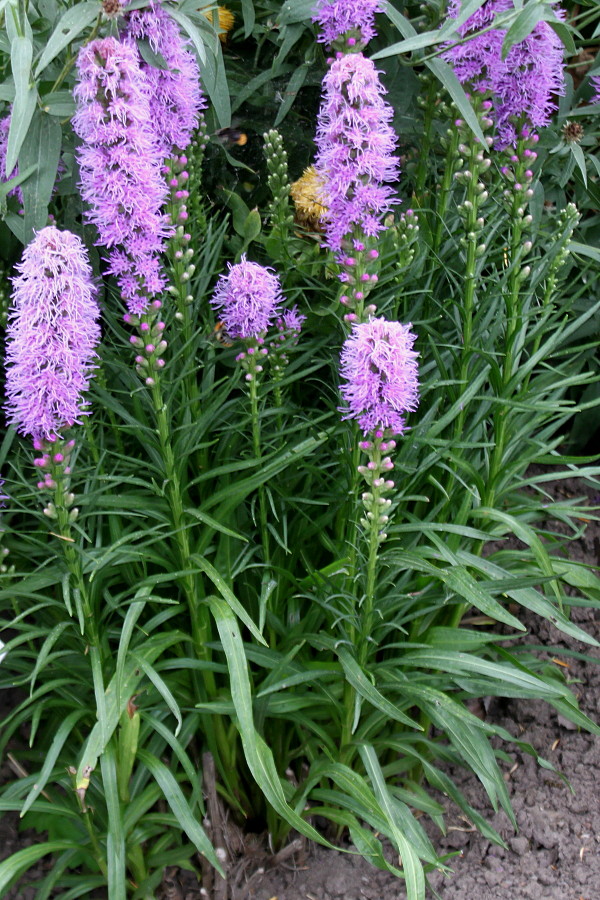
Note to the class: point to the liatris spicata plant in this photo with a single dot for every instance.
(119, 162)
(379, 367)
(174, 91)
(355, 162)
(247, 298)
(52, 334)
(524, 83)
(346, 24)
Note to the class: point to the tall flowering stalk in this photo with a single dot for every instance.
(248, 299)
(52, 335)
(355, 162)
(119, 161)
(379, 370)
(524, 83)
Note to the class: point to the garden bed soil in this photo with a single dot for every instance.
(555, 855)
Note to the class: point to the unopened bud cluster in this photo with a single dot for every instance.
(360, 266)
(375, 503)
(53, 465)
(278, 179)
(196, 151)
(404, 236)
(471, 164)
(253, 357)
(148, 342)
(518, 176)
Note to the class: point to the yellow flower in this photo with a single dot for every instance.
(307, 194)
(226, 19)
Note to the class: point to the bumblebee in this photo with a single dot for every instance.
(232, 136)
(221, 335)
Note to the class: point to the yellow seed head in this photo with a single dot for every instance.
(226, 19)
(307, 194)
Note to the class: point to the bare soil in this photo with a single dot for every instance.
(555, 855)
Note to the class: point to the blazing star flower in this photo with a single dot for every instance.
(351, 21)
(175, 95)
(247, 299)
(524, 83)
(4, 129)
(3, 496)
(355, 142)
(51, 335)
(292, 320)
(595, 82)
(380, 370)
(119, 162)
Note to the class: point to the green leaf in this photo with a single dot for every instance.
(291, 91)
(193, 31)
(249, 16)
(295, 11)
(41, 150)
(258, 756)
(523, 25)
(161, 687)
(22, 860)
(180, 807)
(70, 25)
(252, 226)
(62, 733)
(205, 566)
(585, 250)
(359, 681)
(413, 870)
(445, 73)
(21, 53)
(115, 837)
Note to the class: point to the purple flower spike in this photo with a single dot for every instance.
(247, 299)
(52, 334)
(346, 20)
(355, 143)
(380, 368)
(292, 320)
(120, 163)
(175, 95)
(524, 83)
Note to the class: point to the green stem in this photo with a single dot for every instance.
(256, 448)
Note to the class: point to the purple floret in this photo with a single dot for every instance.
(120, 162)
(175, 95)
(523, 84)
(247, 299)
(51, 336)
(595, 82)
(355, 144)
(380, 370)
(352, 19)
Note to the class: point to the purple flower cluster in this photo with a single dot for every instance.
(348, 21)
(355, 144)
(247, 299)
(380, 370)
(595, 82)
(524, 83)
(120, 165)
(4, 129)
(175, 95)
(51, 335)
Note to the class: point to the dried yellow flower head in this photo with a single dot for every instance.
(226, 19)
(307, 194)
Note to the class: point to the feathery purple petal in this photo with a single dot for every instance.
(380, 370)
(339, 19)
(175, 95)
(4, 129)
(523, 84)
(119, 162)
(52, 334)
(355, 144)
(247, 299)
